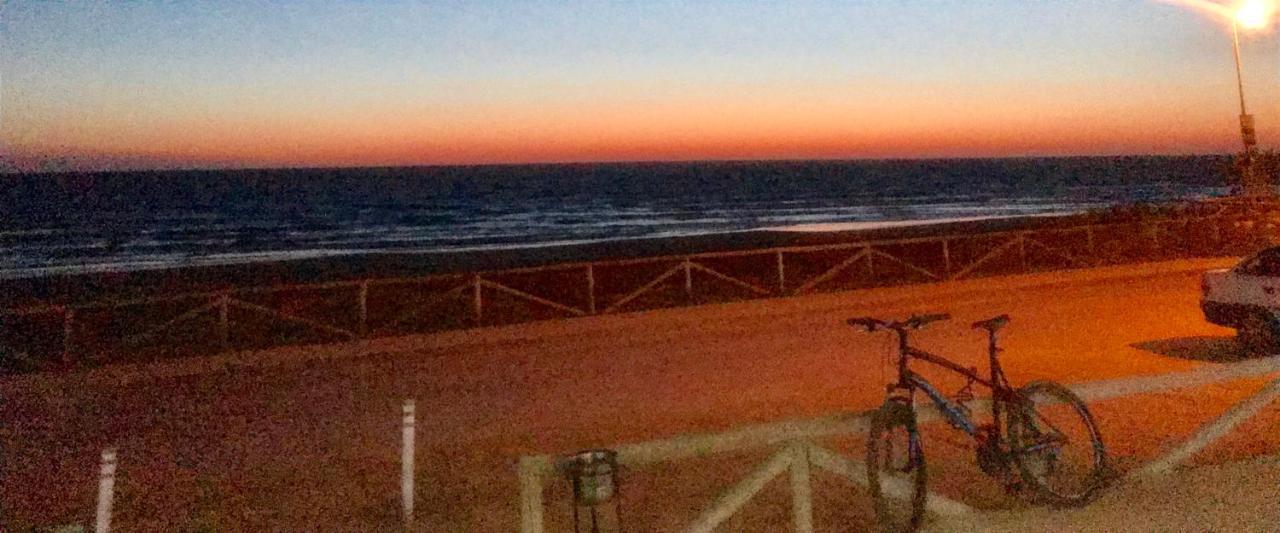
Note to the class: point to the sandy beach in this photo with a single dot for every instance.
(306, 438)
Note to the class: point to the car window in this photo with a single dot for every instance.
(1266, 263)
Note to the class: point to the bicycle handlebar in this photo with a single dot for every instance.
(915, 322)
(867, 323)
(992, 324)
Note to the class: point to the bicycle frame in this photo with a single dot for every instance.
(910, 381)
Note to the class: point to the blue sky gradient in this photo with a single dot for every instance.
(184, 83)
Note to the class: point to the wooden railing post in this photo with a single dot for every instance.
(1022, 251)
(782, 275)
(946, 258)
(591, 290)
(688, 279)
(477, 303)
(362, 304)
(1088, 236)
(68, 327)
(224, 322)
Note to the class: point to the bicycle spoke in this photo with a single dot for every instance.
(1055, 444)
(1036, 412)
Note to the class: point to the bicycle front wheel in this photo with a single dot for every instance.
(895, 468)
(1055, 444)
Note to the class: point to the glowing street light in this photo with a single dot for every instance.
(1253, 15)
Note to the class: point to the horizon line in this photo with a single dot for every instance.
(14, 172)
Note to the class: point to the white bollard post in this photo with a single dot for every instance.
(406, 462)
(106, 490)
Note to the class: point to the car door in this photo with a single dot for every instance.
(1258, 280)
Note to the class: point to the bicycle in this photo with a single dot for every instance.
(1033, 440)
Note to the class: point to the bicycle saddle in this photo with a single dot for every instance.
(992, 324)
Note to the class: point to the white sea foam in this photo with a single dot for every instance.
(883, 224)
(164, 261)
(616, 203)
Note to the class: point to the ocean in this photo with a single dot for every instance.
(119, 221)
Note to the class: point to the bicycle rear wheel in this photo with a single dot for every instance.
(895, 468)
(1055, 444)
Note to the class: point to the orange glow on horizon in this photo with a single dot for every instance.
(755, 123)
(1104, 140)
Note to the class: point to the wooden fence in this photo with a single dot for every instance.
(53, 336)
(797, 447)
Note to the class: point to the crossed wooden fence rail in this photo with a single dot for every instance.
(797, 450)
(876, 262)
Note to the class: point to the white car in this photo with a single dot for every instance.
(1247, 298)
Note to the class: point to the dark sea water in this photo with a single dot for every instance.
(134, 220)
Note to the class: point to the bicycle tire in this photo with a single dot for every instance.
(895, 424)
(1031, 429)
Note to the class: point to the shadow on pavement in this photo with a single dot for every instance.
(1202, 348)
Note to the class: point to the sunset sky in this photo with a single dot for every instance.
(230, 84)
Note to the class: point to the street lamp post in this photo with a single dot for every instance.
(1247, 133)
(1253, 14)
